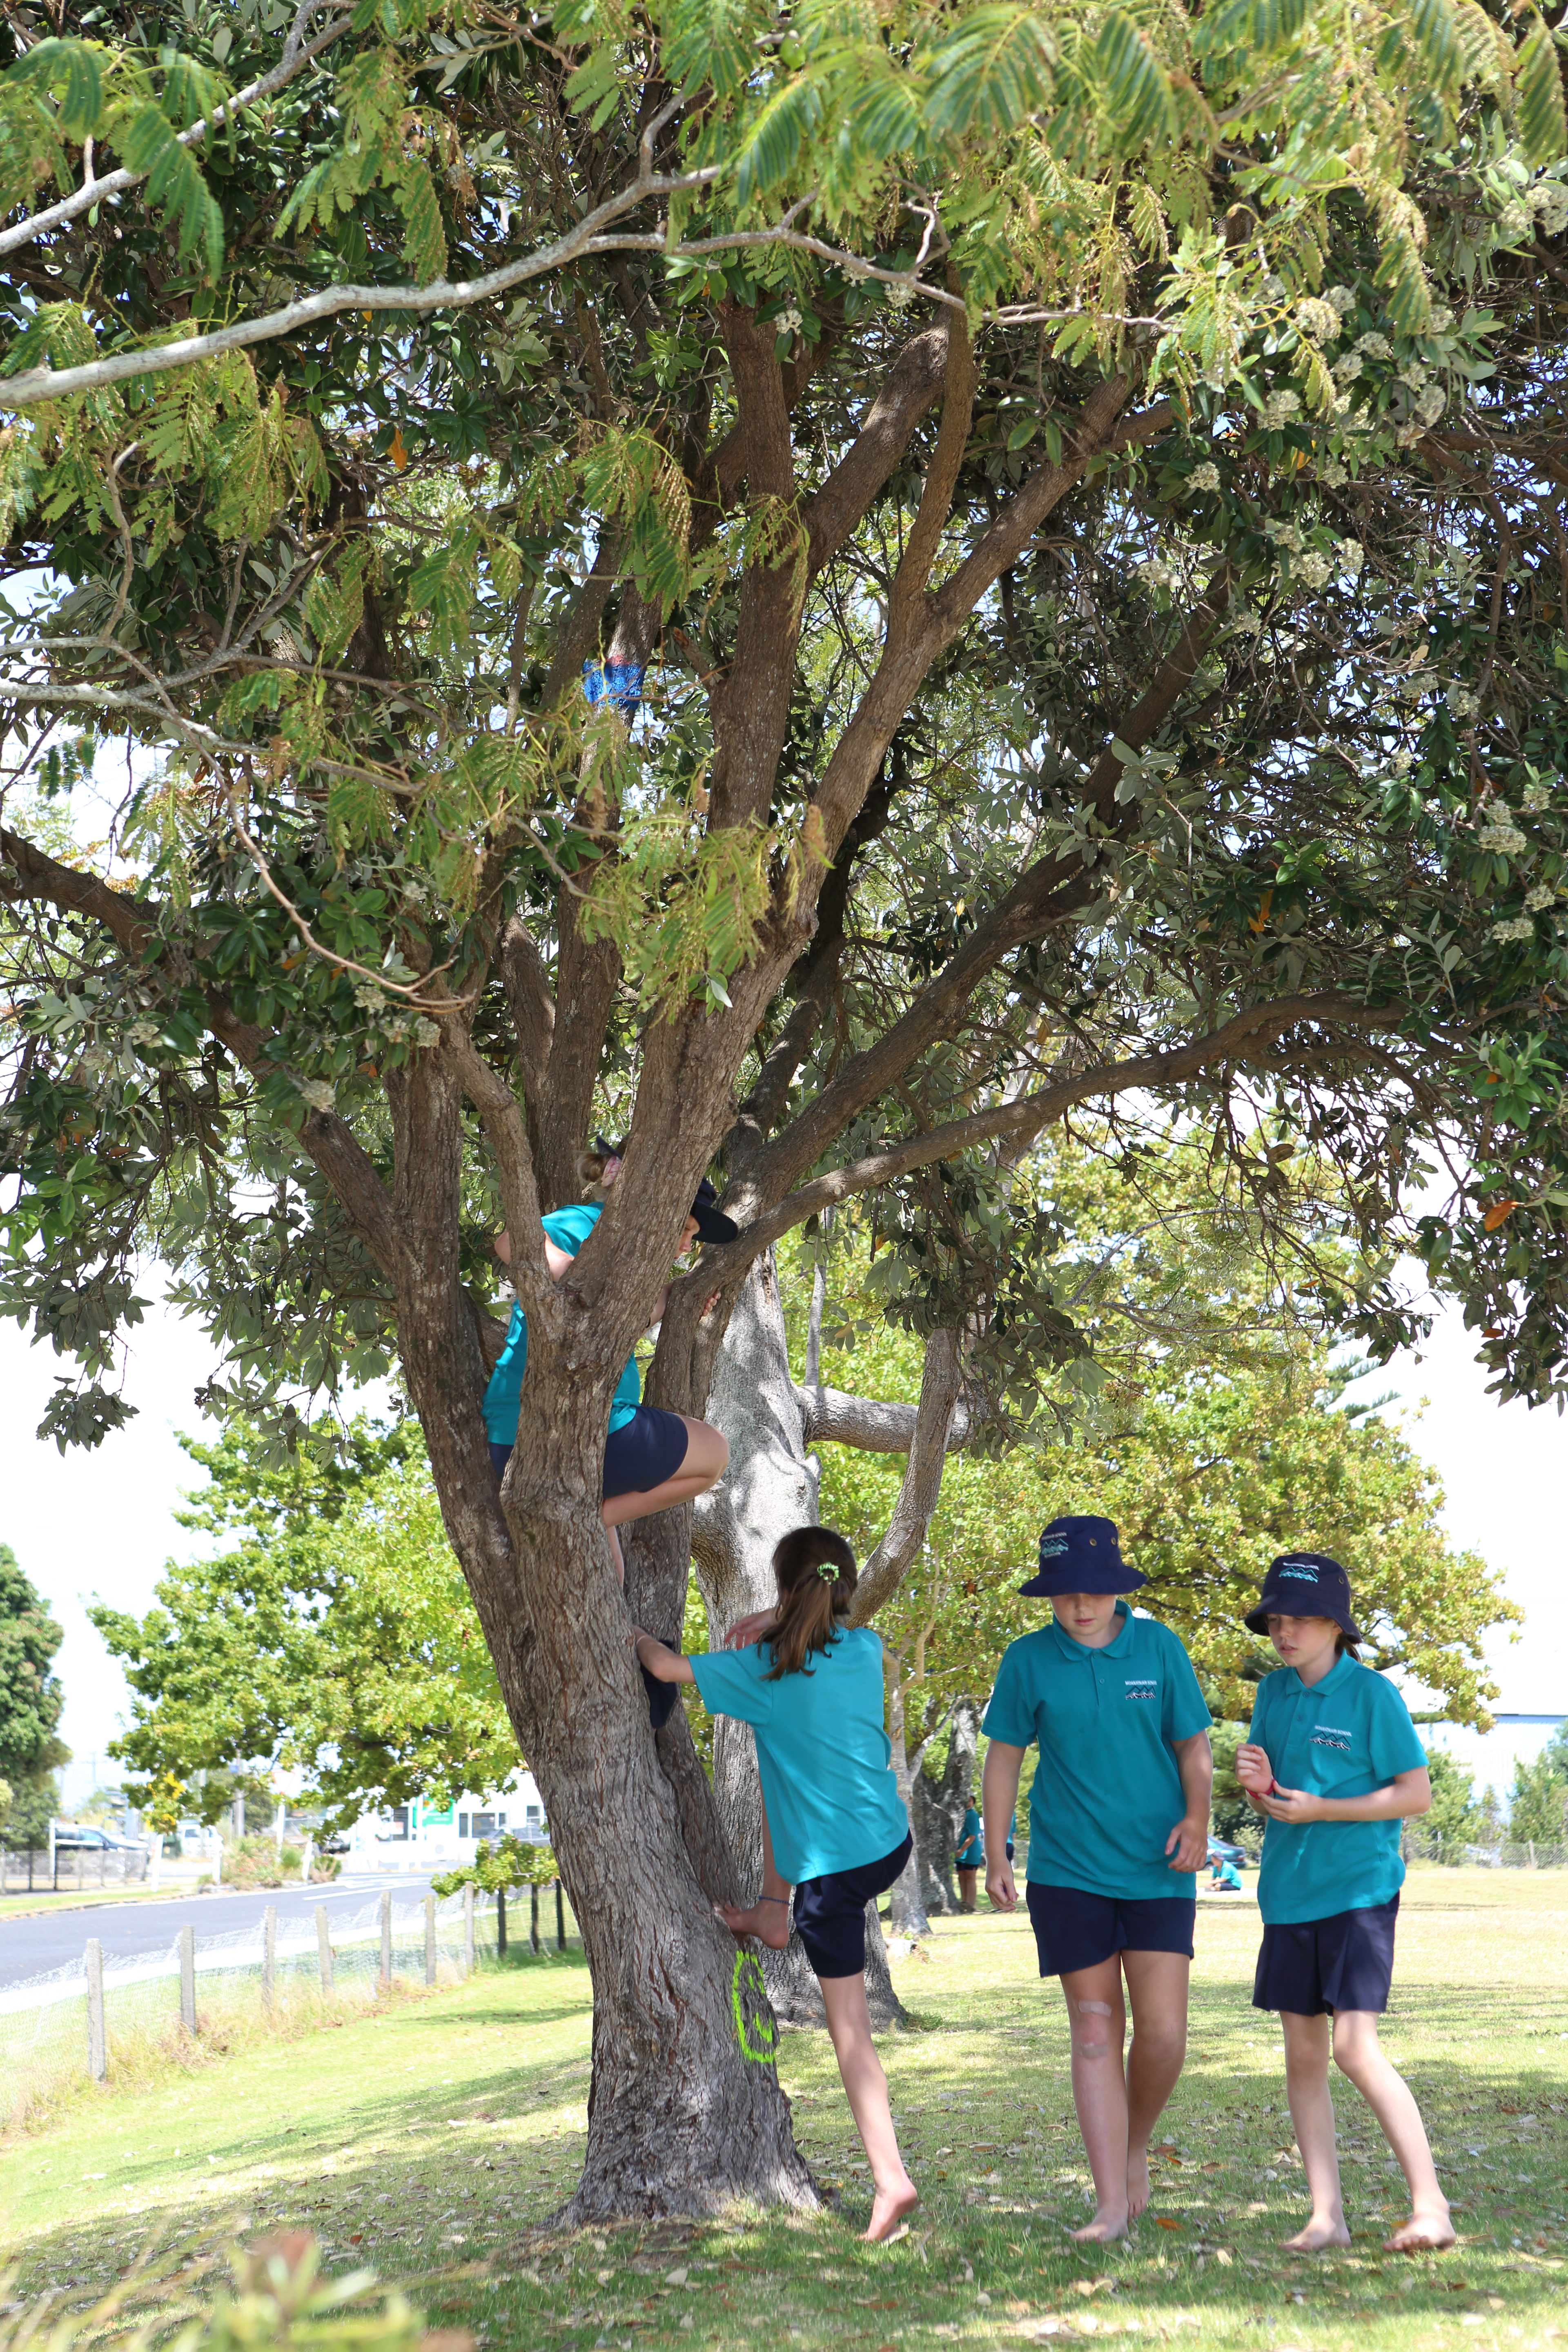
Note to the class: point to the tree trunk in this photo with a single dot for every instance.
(770, 1487)
(937, 1807)
(906, 1906)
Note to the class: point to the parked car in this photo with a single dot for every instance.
(1220, 1849)
(333, 1842)
(69, 1834)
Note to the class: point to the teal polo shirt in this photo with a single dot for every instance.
(1347, 1736)
(1107, 1791)
(568, 1228)
(826, 1764)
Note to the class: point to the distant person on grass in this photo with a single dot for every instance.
(1118, 1820)
(834, 1824)
(1224, 1878)
(1333, 1760)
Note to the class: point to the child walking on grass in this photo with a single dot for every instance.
(1118, 1825)
(834, 1826)
(1333, 1761)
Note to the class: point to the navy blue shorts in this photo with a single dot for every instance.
(1346, 1961)
(1075, 1929)
(649, 1449)
(830, 1912)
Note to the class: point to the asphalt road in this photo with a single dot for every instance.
(46, 1941)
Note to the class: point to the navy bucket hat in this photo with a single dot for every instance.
(1305, 1584)
(1081, 1555)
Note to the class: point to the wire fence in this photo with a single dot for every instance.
(110, 2015)
(71, 1869)
(1500, 1854)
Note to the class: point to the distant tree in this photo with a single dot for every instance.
(1455, 1817)
(1538, 1803)
(337, 1636)
(31, 1698)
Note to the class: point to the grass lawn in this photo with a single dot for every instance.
(432, 2141)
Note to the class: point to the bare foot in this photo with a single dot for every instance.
(768, 1921)
(1423, 2234)
(1321, 2231)
(1101, 2229)
(889, 2207)
(1138, 2190)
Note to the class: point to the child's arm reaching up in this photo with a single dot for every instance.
(664, 1665)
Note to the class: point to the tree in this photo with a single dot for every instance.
(1454, 1818)
(963, 432)
(337, 1638)
(1538, 1803)
(31, 1700)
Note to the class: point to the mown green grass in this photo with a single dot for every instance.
(434, 2141)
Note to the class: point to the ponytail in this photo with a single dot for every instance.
(591, 1167)
(817, 1580)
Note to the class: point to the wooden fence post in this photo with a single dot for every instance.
(560, 1919)
(324, 1950)
(469, 1929)
(501, 1923)
(533, 1914)
(387, 1940)
(269, 1953)
(189, 1978)
(97, 2042)
(429, 1939)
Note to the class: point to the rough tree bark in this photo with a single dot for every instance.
(940, 1804)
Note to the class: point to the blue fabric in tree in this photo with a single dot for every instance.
(617, 682)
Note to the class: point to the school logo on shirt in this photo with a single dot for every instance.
(1142, 1686)
(1329, 1735)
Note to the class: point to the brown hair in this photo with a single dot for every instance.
(816, 1579)
(591, 1167)
(1344, 1643)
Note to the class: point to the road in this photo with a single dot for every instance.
(28, 1946)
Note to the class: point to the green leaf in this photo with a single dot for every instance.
(1538, 85)
(1435, 32)
(175, 183)
(1260, 25)
(1134, 88)
(424, 234)
(191, 92)
(991, 72)
(73, 71)
(769, 150)
(713, 42)
(1409, 296)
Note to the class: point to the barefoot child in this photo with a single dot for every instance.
(1333, 1760)
(1118, 1825)
(835, 1826)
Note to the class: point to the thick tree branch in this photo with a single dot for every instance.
(921, 547)
(871, 1424)
(507, 1139)
(1247, 1034)
(1049, 892)
(921, 1487)
(912, 387)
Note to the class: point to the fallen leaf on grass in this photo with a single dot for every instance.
(1160, 2222)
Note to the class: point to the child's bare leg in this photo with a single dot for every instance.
(1157, 1989)
(1098, 2022)
(768, 1918)
(615, 1543)
(1312, 2113)
(1359, 2054)
(849, 2024)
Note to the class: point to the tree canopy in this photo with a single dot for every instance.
(32, 1699)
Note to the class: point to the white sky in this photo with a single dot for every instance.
(102, 1524)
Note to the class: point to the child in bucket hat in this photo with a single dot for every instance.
(1333, 1761)
(1118, 1825)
